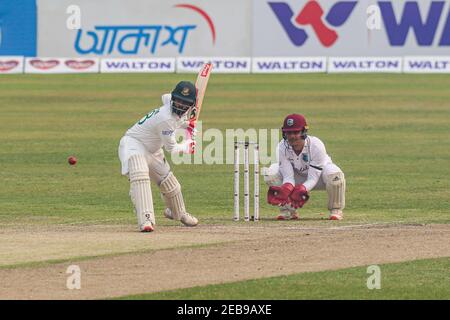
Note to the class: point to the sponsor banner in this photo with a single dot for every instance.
(61, 65)
(11, 64)
(345, 28)
(137, 65)
(220, 64)
(289, 65)
(365, 64)
(144, 29)
(426, 64)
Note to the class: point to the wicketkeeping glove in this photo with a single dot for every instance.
(279, 196)
(299, 196)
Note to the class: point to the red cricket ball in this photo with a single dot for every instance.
(72, 160)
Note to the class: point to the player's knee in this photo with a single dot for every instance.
(138, 168)
(170, 185)
(336, 179)
(272, 176)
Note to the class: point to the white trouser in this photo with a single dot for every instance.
(274, 178)
(158, 167)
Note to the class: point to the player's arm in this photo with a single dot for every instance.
(279, 195)
(167, 134)
(286, 169)
(165, 98)
(318, 159)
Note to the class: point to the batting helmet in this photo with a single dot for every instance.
(185, 95)
(295, 122)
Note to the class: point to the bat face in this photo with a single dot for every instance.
(201, 84)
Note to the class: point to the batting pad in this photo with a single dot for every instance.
(336, 191)
(140, 190)
(171, 191)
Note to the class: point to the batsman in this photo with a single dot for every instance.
(303, 165)
(143, 161)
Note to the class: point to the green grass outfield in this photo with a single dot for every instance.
(389, 133)
(420, 279)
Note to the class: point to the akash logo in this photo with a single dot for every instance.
(312, 15)
(141, 39)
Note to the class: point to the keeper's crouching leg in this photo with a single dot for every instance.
(171, 193)
(141, 193)
(336, 195)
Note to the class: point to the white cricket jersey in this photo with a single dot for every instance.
(309, 163)
(157, 128)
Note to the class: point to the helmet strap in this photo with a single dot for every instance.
(304, 134)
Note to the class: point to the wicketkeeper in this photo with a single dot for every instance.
(142, 156)
(303, 166)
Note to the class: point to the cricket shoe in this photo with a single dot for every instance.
(336, 214)
(287, 215)
(186, 219)
(147, 227)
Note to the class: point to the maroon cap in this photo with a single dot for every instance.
(294, 122)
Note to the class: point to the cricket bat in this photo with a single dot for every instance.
(200, 84)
